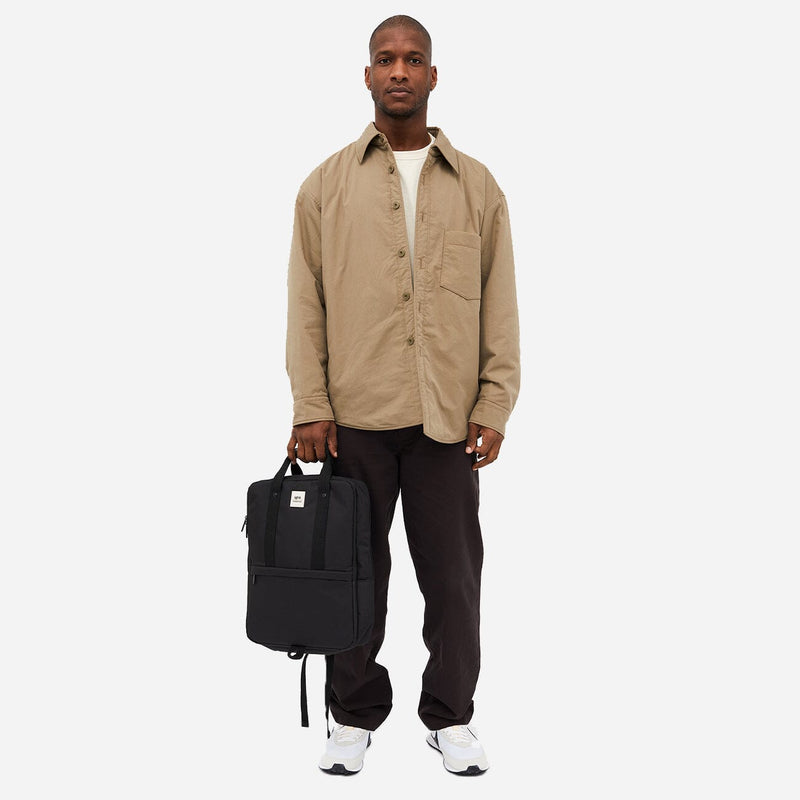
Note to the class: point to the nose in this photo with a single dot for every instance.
(398, 71)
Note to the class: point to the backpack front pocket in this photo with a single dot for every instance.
(301, 609)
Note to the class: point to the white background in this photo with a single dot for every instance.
(640, 626)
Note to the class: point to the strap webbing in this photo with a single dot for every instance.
(320, 517)
(296, 655)
(273, 505)
(303, 695)
(328, 680)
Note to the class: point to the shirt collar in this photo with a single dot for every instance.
(440, 146)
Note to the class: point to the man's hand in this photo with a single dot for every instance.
(310, 441)
(489, 448)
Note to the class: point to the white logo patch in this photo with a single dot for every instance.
(298, 500)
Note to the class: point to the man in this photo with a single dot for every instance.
(402, 351)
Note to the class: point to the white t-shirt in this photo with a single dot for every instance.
(409, 165)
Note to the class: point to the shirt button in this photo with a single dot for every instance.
(395, 205)
(391, 167)
(401, 253)
(410, 340)
(406, 296)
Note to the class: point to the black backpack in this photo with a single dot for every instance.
(310, 585)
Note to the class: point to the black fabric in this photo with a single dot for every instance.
(328, 679)
(303, 694)
(310, 576)
(440, 502)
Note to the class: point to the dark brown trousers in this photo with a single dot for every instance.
(440, 512)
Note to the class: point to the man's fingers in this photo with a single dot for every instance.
(472, 437)
(307, 448)
(489, 450)
(309, 439)
(333, 444)
(290, 449)
(488, 459)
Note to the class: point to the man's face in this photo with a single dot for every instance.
(400, 76)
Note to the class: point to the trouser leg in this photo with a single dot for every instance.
(440, 498)
(361, 693)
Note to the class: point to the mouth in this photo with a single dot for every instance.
(398, 91)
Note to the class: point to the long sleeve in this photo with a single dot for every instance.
(306, 335)
(499, 377)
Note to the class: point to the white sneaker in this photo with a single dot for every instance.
(344, 751)
(461, 751)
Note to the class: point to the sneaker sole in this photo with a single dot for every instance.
(473, 769)
(340, 769)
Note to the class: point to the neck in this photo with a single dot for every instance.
(404, 133)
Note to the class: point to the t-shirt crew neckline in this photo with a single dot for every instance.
(411, 155)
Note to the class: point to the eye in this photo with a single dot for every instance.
(383, 60)
(416, 61)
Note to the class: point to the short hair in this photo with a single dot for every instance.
(402, 21)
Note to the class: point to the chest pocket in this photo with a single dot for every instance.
(461, 264)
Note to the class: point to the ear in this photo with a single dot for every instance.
(434, 77)
(368, 78)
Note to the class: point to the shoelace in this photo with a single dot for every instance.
(458, 734)
(347, 733)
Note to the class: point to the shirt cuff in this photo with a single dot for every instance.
(491, 415)
(312, 409)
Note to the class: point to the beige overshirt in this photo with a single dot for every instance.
(366, 349)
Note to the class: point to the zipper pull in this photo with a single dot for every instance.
(244, 524)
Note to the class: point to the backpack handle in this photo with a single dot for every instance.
(287, 462)
(320, 519)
